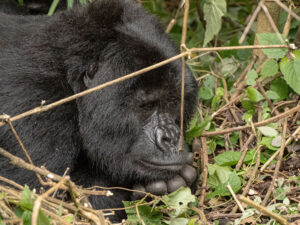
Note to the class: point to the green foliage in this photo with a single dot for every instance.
(272, 39)
(25, 207)
(254, 95)
(269, 69)
(213, 12)
(205, 93)
(196, 130)
(231, 158)
(219, 177)
(268, 131)
(251, 77)
(291, 71)
(173, 209)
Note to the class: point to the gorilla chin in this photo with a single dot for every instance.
(125, 135)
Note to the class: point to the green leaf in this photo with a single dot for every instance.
(254, 94)
(234, 138)
(269, 69)
(221, 190)
(291, 72)
(229, 65)
(53, 7)
(205, 93)
(231, 158)
(251, 77)
(246, 104)
(21, 2)
(197, 131)
(272, 95)
(26, 206)
(280, 87)
(178, 200)
(276, 142)
(268, 131)
(27, 198)
(147, 214)
(267, 141)
(213, 12)
(272, 39)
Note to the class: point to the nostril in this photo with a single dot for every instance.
(163, 140)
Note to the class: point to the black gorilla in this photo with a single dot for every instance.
(30, 7)
(124, 135)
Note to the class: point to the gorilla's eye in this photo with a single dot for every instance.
(148, 105)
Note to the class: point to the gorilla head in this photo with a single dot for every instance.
(124, 135)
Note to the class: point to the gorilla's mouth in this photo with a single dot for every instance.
(171, 166)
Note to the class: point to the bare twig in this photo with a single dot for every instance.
(283, 6)
(253, 17)
(252, 177)
(244, 151)
(131, 75)
(204, 161)
(183, 49)
(258, 124)
(274, 178)
(234, 197)
(264, 210)
(278, 151)
(23, 148)
(271, 21)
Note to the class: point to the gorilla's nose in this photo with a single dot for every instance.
(167, 138)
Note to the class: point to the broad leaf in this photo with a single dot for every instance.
(213, 12)
(268, 131)
(272, 39)
(254, 94)
(178, 200)
(269, 69)
(272, 95)
(251, 77)
(291, 71)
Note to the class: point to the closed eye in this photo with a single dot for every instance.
(149, 105)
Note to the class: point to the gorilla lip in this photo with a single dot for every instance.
(161, 165)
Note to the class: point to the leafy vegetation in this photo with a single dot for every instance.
(262, 91)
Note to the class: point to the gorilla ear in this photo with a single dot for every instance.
(89, 75)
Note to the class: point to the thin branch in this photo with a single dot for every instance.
(278, 164)
(183, 48)
(258, 124)
(134, 74)
(253, 17)
(264, 210)
(283, 6)
(278, 151)
(234, 197)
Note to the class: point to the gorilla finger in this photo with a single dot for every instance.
(190, 158)
(157, 188)
(189, 174)
(176, 183)
(138, 195)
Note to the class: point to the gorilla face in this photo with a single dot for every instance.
(139, 122)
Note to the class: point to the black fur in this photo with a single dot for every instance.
(104, 137)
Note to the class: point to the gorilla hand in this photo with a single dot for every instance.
(187, 176)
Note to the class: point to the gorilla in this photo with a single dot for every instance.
(124, 135)
(30, 7)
